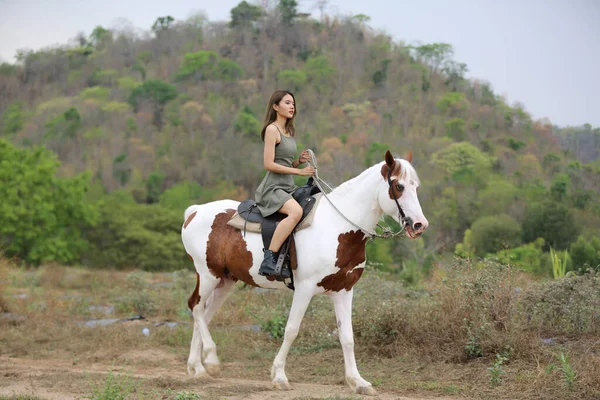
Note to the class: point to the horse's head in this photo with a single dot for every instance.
(398, 194)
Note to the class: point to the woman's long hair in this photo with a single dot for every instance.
(271, 114)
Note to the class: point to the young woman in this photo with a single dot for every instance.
(274, 192)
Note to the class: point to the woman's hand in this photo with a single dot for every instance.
(308, 171)
(304, 157)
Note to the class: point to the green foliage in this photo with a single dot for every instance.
(246, 123)
(244, 14)
(515, 144)
(560, 186)
(292, 79)
(566, 369)
(13, 118)
(105, 77)
(497, 197)
(154, 186)
(379, 254)
(462, 160)
(455, 129)
(551, 221)
(288, 11)
(7, 69)
(375, 153)
(228, 70)
(200, 65)
(452, 102)
(120, 169)
(496, 370)
(98, 93)
(434, 54)
(100, 37)
(114, 387)
(42, 217)
(585, 253)
(380, 76)
(207, 65)
(494, 233)
(162, 23)
(127, 83)
(135, 235)
(526, 257)
(318, 71)
(559, 265)
(182, 195)
(64, 125)
(157, 91)
(115, 107)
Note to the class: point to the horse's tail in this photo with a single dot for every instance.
(188, 211)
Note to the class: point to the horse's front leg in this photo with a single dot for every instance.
(342, 302)
(302, 296)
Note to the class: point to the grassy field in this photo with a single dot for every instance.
(468, 331)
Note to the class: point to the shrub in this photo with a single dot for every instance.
(567, 305)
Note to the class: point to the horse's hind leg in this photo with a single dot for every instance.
(214, 302)
(218, 297)
(202, 342)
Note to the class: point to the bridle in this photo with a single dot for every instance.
(386, 231)
(401, 215)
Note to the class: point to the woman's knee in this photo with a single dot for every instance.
(296, 212)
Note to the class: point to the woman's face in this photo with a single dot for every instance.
(286, 106)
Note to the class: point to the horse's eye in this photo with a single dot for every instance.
(400, 187)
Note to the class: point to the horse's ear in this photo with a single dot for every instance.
(409, 156)
(389, 160)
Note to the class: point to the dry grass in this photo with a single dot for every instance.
(440, 340)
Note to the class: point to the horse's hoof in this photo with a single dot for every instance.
(197, 373)
(213, 370)
(282, 385)
(366, 391)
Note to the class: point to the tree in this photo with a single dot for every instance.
(201, 65)
(551, 221)
(585, 253)
(462, 160)
(162, 23)
(288, 10)
(434, 54)
(494, 233)
(244, 14)
(247, 124)
(292, 79)
(100, 37)
(157, 92)
(12, 119)
(41, 216)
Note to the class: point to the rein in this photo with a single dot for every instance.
(386, 232)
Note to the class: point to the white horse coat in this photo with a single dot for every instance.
(330, 258)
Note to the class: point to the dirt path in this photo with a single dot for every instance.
(63, 380)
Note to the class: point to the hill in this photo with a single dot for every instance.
(172, 117)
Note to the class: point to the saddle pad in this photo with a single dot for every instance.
(238, 222)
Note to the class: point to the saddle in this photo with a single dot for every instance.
(248, 217)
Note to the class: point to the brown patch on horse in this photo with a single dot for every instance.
(189, 219)
(195, 297)
(396, 168)
(227, 255)
(350, 253)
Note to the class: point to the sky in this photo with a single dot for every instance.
(544, 54)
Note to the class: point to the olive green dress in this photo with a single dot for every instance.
(276, 189)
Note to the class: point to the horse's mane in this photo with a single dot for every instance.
(407, 172)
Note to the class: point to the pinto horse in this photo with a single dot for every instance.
(330, 258)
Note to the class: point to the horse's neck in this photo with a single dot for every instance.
(357, 200)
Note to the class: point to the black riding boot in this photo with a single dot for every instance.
(267, 267)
